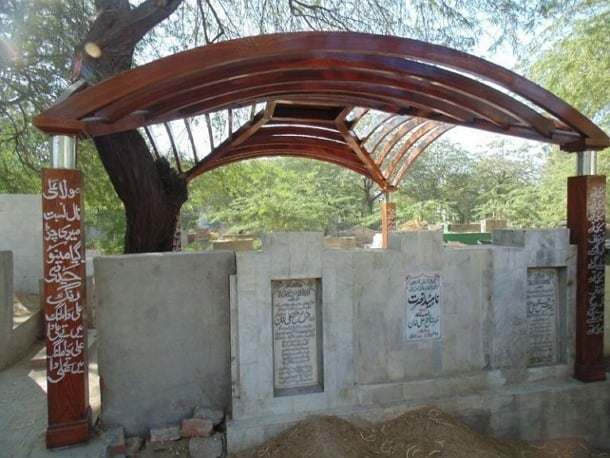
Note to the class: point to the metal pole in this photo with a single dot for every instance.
(586, 163)
(63, 152)
(593, 162)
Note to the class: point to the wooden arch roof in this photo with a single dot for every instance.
(318, 89)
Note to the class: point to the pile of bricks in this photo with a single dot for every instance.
(201, 431)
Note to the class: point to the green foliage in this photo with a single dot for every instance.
(15, 176)
(509, 177)
(36, 44)
(525, 186)
(439, 186)
(450, 184)
(577, 65)
(447, 183)
(551, 194)
(572, 60)
(278, 194)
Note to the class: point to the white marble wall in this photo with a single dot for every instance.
(21, 229)
(515, 252)
(15, 341)
(171, 311)
(369, 366)
(163, 336)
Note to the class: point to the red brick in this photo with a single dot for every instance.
(115, 438)
(197, 427)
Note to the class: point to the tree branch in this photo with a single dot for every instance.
(108, 46)
(221, 28)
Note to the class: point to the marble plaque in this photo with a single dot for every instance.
(542, 316)
(297, 336)
(423, 306)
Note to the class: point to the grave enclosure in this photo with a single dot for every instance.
(295, 329)
(485, 333)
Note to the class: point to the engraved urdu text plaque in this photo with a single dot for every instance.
(423, 306)
(297, 336)
(541, 299)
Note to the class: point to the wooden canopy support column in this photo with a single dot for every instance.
(64, 298)
(388, 219)
(587, 224)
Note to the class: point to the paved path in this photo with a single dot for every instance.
(23, 410)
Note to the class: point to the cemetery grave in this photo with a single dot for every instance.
(421, 432)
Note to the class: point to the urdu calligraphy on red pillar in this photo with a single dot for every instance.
(64, 272)
(596, 249)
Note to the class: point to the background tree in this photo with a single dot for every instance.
(279, 194)
(36, 39)
(150, 190)
(504, 176)
(40, 39)
(571, 58)
(450, 184)
(439, 186)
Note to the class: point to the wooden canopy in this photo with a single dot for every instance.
(318, 91)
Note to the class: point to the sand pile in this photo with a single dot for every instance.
(424, 432)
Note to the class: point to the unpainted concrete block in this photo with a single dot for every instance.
(217, 416)
(115, 437)
(206, 447)
(165, 433)
(133, 445)
(157, 333)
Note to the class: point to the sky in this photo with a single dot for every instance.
(479, 141)
(473, 140)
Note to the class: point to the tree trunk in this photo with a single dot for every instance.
(151, 191)
(369, 197)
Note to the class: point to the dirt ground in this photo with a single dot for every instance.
(165, 449)
(424, 432)
(420, 433)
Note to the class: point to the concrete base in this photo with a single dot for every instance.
(15, 341)
(163, 336)
(180, 330)
(529, 412)
(479, 367)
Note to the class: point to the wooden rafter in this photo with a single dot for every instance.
(313, 79)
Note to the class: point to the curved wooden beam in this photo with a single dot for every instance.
(418, 150)
(330, 153)
(382, 150)
(440, 73)
(414, 136)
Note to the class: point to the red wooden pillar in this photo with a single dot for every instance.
(388, 221)
(64, 308)
(587, 224)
